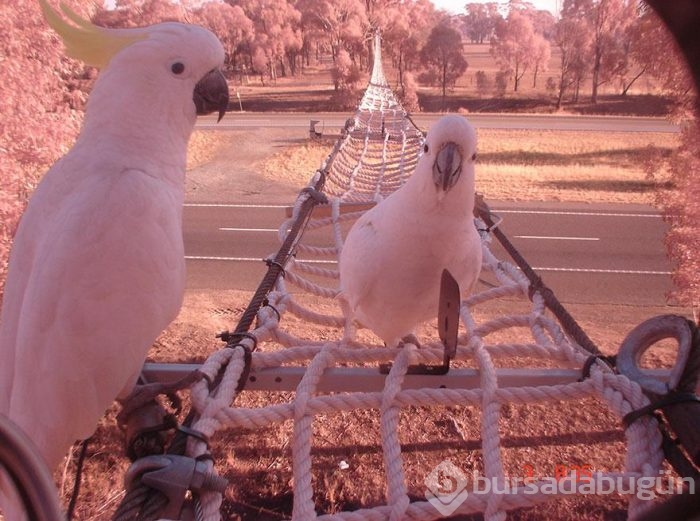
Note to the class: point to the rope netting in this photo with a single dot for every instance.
(328, 366)
(333, 374)
(380, 147)
(327, 375)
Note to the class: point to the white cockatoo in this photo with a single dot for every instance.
(393, 256)
(97, 267)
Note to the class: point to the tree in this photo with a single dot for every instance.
(404, 29)
(480, 21)
(660, 55)
(573, 39)
(409, 94)
(442, 56)
(277, 39)
(344, 22)
(230, 23)
(541, 56)
(608, 21)
(41, 103)
(514, 45)
(346, 80)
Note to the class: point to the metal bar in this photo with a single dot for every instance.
(362, 379)
(572, 328)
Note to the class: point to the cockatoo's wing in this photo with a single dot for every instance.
(363, 236)
(97, 297)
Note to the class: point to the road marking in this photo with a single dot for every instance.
(561, 270)
(495, 210)
(604, 271)
(249, 230)
(252, 259)
(588, 214)
(557, 238)
(229, 205)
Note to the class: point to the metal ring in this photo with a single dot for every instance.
(646, 335)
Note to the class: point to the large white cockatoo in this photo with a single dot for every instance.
(393, 256)
(97, 268)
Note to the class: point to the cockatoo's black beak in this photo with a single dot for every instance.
(211, 94)
(447, 166)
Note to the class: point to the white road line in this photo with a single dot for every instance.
(495, 210)
(604, 271)
(588, 214)
(251, 259)
(560, 270)
(230, 205)
(248, 230)
(542, 237)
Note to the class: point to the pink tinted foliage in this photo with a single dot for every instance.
(41, 101)
(346, 78)
(409, 93)
(230, 24)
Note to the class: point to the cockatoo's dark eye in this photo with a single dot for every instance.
(426, 148)
(474, 156)
(177, 68)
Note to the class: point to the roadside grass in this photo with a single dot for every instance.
(534, 165)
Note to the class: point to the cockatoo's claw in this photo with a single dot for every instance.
(410, 339)
(316, 195)
(143, 417)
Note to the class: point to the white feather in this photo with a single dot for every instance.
(97, 267)
(393, 256)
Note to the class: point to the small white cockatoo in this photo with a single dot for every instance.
(97, 268)
(393, 256)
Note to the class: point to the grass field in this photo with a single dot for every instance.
(534, 165)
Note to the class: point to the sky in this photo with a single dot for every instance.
(457, 6)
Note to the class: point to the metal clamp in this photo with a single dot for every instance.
(173, 476)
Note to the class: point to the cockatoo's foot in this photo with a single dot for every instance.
(144, 418)
(409, 339)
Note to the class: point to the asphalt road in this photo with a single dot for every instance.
(331, 123)
(588, 253)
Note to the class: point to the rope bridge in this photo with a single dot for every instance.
(327, 376)
(322, 375)
(380, 147)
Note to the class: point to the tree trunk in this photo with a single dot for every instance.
(596, 75)
(444, 84)
(560, 96)
(625, 88)
(534, 78)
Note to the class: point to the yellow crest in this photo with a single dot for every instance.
(87, 42)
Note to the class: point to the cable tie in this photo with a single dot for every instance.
(266, 304)
(194, 433)
(586, 369)
(270, 263)
(235, 338)
(671, 398)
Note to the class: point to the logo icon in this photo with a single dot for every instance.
(446, 488)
